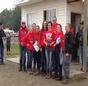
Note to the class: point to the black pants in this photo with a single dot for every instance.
(37, 60)
(58, 66)
(53, 60)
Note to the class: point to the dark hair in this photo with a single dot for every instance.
(50, 23)
(38, 26)
(60, 26)
(82, 23)
(43, 26)
(34, 24)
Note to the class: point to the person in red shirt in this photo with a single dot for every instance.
(43, 58)
(54, 27)
(37, 53)
(21, 33)
(58, 58)
(49, 41)
(54, 24)
(28, 41)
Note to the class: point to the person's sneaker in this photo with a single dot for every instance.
(30, 73)
(25, 70)
(20, 70)
(65, 81)
(53, 77)
(48, 76)
(1, 63)
(58, 79)
(37, 73)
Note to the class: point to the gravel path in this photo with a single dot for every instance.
(10, 76)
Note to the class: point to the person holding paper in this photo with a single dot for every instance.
(57, 58)
(37, 48)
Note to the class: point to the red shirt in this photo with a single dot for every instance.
(42, 38)
(49, 39)
(37, 37)
(54, 26)
(62, 40)
(28, 41)
(21, 33)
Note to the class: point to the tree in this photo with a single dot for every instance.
(11, 18)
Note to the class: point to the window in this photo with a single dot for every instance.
(31, 18)
(49, 14)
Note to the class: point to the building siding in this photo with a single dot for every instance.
(38, 8)
(63, 10)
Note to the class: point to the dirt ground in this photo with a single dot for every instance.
(10, 76)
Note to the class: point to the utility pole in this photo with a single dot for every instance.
(85, 33)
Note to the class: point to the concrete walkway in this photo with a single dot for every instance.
(15, 59)
(75, 67)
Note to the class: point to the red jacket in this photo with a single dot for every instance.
(28, 41)
(37, 37)
(62, 40)
(54, 26)
(49, 39)
(61, 35)
(21, 33)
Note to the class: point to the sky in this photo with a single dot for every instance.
(6, 4)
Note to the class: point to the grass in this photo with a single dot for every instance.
(14, 49)
(79, 77)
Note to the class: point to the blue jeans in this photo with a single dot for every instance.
(23, 52)
(1, 55)
(43, 61)
(48, 54)
(29, 59)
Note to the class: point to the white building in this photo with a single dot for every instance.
(66, 11)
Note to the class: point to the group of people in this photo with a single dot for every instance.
(46, 51)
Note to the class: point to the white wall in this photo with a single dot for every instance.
(59, 5)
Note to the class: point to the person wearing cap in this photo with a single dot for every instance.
(21, 33)
(2, 34)
(28, 41)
